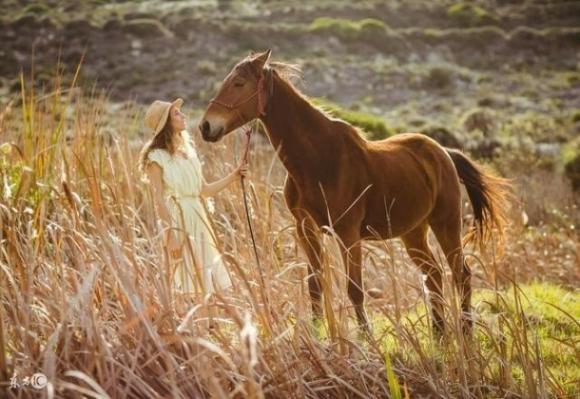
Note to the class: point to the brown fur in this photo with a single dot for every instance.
(374, 190)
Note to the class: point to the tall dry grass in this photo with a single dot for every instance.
(86, 294)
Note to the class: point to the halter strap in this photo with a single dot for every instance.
(236, 106)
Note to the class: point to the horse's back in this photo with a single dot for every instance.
(414, 141)
(410, 149)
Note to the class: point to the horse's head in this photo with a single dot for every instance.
(240, 99)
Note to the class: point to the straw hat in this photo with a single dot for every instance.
(158, 112)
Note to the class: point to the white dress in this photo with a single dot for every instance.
(183, 180)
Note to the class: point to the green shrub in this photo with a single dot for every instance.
(370, 31)
(572, 78)
(470, 15)
(438, 77)
(571, 160)
(537, 127)
(442, 135)
(373, 126)
(206, 67)
(555, 38)
(371, 26)
(455, 38)
(479, 119)
(347, 28)
(36, 9)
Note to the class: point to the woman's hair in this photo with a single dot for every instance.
(166, 139)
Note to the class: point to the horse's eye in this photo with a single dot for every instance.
(238, 84)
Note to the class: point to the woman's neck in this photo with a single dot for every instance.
(184, 142)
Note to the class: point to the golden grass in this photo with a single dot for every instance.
(86, 295)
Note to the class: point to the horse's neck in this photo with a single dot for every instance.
(299, 132)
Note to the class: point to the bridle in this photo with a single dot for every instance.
(236, 106)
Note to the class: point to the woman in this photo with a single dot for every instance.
(173, 169)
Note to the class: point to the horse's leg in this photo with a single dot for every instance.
(309, 238)
(448, 233)
(352, 257)
(418, 249)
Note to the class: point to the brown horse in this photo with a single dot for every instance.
(398, 187)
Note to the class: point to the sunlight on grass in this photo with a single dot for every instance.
(550, 312)
(86, 295)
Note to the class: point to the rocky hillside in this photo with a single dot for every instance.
(475, 75)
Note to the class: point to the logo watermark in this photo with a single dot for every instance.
(36, 381)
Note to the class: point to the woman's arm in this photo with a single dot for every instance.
(155, 175)
(211, 189)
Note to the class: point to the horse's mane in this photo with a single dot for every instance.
(293, 72)
(288, 73)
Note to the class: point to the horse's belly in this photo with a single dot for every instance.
(374, 231)
(395, 218)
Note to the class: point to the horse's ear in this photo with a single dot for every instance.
(262, 58)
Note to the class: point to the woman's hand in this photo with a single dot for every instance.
(174, 247)
(210, 189)
(242, 169)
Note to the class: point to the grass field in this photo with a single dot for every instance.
(86, 297)
(85, 284)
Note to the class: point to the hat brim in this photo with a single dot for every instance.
(163, 120)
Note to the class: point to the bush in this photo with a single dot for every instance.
(571, 160)
(442, 135)
(479, 119)
(438, 78)
(541, 39)
(470, 15)
(442, 76)
(534, 126)
(374, 127)
(346, 28)
(456, 38)
(206, 67)
(370, 31)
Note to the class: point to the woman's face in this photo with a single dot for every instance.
(177, 119)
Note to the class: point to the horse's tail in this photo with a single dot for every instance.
(489, 195)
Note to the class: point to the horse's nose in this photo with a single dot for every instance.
(205, 128)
